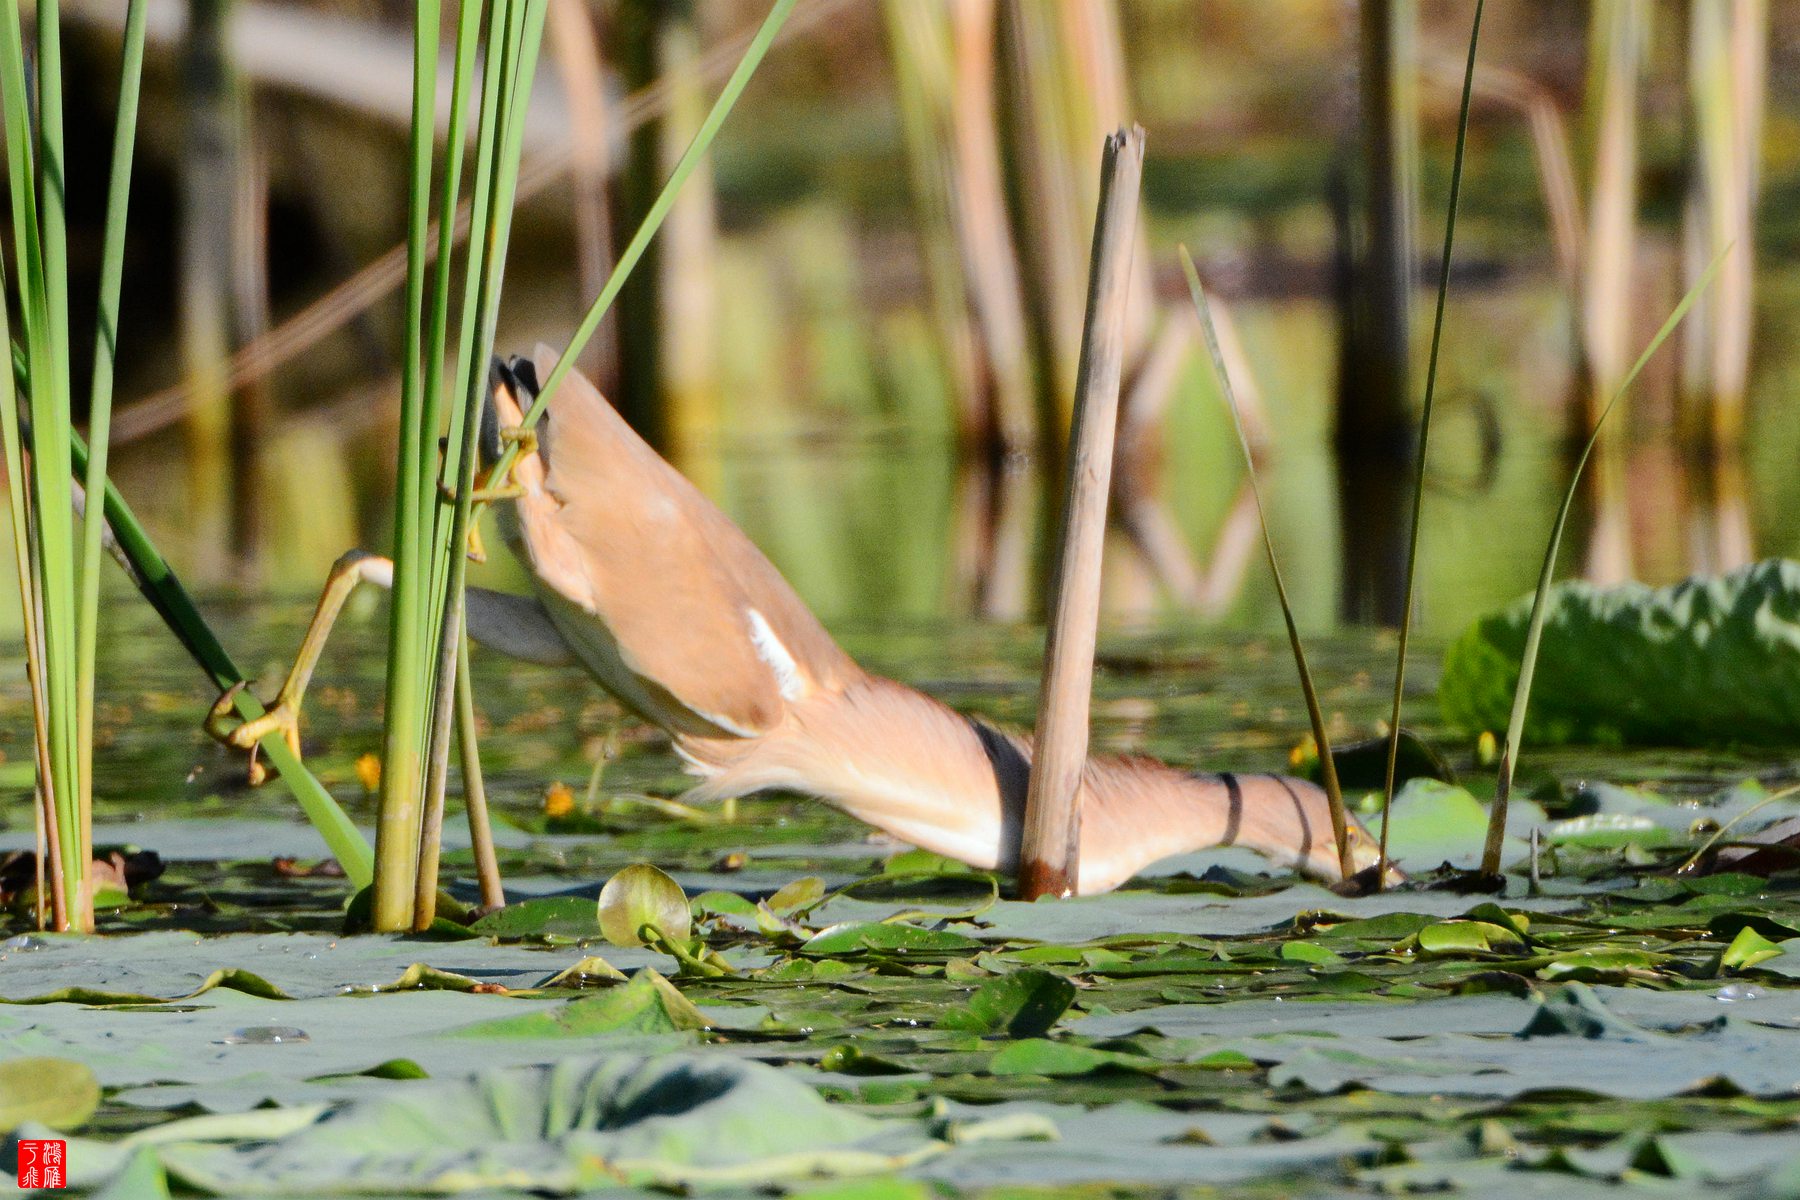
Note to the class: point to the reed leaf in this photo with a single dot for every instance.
(1418, 496)
(1340, 820)
(164, 591)
(396, 828)
(1534, 630)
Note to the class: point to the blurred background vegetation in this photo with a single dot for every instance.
(858, 330)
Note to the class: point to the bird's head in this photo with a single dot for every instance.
(1320, 860)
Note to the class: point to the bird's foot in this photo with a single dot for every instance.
(223, 725)
(517, 435)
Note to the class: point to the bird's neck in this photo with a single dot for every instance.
(912, 767)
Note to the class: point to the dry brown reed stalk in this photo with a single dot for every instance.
(984, 231)
(1555, 162)
(213, 141)
(1727, 62)
(920, 47)
(577, 53)
(1049, 857)
(1065, 87)
(253, 410)
(1615, 52)
(688, 284)
(1143, 512)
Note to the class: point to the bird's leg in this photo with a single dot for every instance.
(284, 715)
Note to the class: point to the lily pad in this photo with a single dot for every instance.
(55, 1092)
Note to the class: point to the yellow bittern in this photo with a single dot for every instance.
(640, 580)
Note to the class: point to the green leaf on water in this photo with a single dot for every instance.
(717, 903)
(1465, 937)
(856, 937)
(49, 1091)
(1601, 963)
(642, 895)
(592, 971)
(1747, 949)
(422, 977)
(393, 1068)
(1712, 659)
(1021, 1005)
(1039, 1056)
(1312, 953)
(648, 1004)
(801, 893)
(567, 916)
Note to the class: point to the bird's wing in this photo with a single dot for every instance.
(688, 605)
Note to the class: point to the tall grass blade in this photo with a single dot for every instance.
(1340, 820)
(1534, 629)
(1418, 496)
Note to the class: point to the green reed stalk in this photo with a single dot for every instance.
(59, 577)
(478, 348)
(19, 508)
(430, 536)
(1534, 629)
(396, 839)
(34, 169)
(1418, 498)
(112, 271)
(432, 548)
(1334, 794)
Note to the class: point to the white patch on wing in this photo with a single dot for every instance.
(772, 652)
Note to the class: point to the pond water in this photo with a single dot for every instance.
(1212, 1023)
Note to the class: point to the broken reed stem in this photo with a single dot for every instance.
(1049, 858)
(481, 830)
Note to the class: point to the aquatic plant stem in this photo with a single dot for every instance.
(519, 71)
(34, 169)
(397, 821)
(1418, 496)
(1693, 860)
(1534, 630)
(1334, 794)
(112, 270)
(1050, 848)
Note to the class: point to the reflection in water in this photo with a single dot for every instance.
(874, 523)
